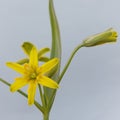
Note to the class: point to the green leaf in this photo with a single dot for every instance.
(55, 48)
(56, 40)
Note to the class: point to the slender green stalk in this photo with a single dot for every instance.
(25, 95)
(41, 95)
(62, 74)
(69, 61)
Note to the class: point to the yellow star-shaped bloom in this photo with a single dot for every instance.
(33, 74)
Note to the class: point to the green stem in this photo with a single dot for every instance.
(62, 74)
(46, 116)
(69, 61)
(41, 95)
(25, 95)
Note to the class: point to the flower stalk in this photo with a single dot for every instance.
(25, 95)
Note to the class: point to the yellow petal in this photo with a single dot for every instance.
(45, 81)
(16, 67)
(31, 92)
(19, 83)
(48, 65)
(33, 57)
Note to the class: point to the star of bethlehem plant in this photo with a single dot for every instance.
(39, 71)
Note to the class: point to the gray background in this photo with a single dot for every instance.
(90, 89)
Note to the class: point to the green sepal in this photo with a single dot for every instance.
(43, 51)
(26, 60)
(44, 59)
(27, 47)
(22, 61)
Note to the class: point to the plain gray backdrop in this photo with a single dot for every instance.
(90, 90)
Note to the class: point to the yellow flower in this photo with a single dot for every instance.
(107, 36)
(33, 74)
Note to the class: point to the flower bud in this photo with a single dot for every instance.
(107, 36)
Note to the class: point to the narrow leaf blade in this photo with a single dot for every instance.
(56, 40)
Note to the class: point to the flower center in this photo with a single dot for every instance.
(33, 76)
